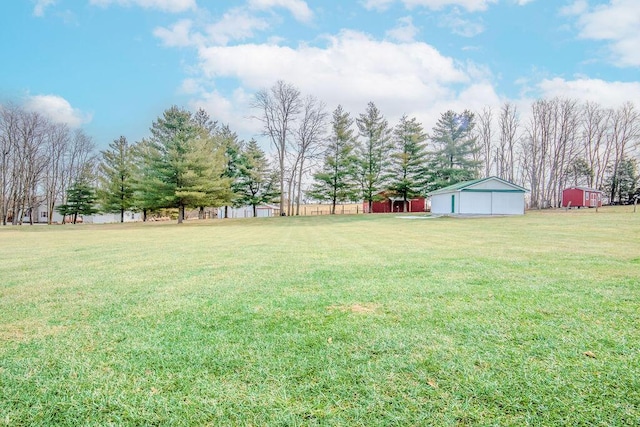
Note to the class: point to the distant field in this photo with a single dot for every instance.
(365, 320)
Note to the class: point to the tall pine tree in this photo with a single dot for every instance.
(116, 178)
(232, 157)
(408, 173)
(335, 182)
(256, 183)
(452, 161)
(183, 164)
(146, 197)
(373, 152)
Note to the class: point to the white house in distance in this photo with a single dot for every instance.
(109, 218)
(486, 196)
(40, 215)
(262, 211)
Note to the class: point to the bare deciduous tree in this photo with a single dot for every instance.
(308, 140)
(8, 133)
(505, 151)
(623, 137)
(53, 182)
(549, 148)
(485, 136)
(279, 106)
(595, 125)
(38, 160)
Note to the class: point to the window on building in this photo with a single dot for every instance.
(43, 214)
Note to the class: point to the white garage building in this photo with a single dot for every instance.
(486, 196)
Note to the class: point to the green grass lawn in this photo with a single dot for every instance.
(346, 320)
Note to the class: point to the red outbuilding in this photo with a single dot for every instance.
(581, 197)
(390, 203)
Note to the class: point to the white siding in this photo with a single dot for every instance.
(246, 212)
(264, 212)
(508, 203)
(441, 203)
(242, 212)
(491, 184)
(491, 196)
(110, 218)
(41, 215)
(478, 203)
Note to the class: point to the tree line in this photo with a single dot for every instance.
(187, 161)
(191, 161)
(562, 143)
(349, 159)
(39, 161)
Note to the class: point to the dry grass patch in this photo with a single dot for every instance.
(356, 308)
(24, 331)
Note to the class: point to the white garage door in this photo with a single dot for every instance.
(475, 203)
(507, 204)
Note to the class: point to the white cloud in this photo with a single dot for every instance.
(298, 8)
(190, 86)
(233, 110)
(469, 5)
(172, 6)
(405, 31)
(41, 5)
(608, 94)
(377, 4)
(461, 26)
(57, 109)
(617, 23)
(178, 35)
(350, 54)
(351, 70)
(578, 7)
(236, 24)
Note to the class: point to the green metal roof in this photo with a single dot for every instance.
(461, 186)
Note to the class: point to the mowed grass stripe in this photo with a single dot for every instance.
(346, 320)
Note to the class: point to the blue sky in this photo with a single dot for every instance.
(113, 66)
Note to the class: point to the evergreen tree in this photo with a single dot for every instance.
(256, 183)
(335, 181)
(373, 152)
(116, 173)
(183, 165)
(202, 119)
(232, 158)
(622, 184)
(408, 161)
(578, 173)
(455, 146)
(81, 199)
(145, 180)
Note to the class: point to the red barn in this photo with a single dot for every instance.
(390, 203)
(581, 197)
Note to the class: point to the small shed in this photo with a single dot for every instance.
(581, 197)
(389, 202)
(485, 196)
